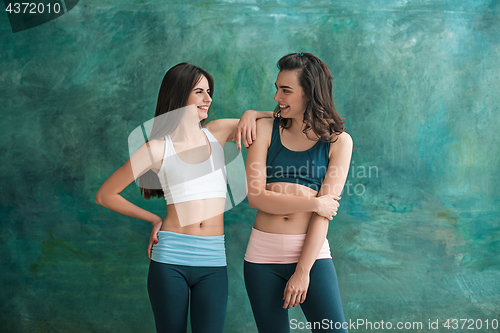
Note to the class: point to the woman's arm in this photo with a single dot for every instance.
(340, 158)
(272, 202)
(238, 129)
(108, 195)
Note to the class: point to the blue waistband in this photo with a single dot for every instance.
(180, 249)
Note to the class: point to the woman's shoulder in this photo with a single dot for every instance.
(156, 143)
(156, 148)
(343, 141)
(344, 138)
(149, 155)
(265, 124)
(264, 129)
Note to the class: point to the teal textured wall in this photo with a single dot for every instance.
(418, 238)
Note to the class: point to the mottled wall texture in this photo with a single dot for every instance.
(418, 81)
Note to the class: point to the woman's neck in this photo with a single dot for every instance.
(297, 128)
(187, 132)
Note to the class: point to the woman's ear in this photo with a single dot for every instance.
(304, 95)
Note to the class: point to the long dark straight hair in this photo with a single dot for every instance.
(174, 93)
(316, 81)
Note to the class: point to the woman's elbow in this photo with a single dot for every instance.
(252, 200)
(98, 198)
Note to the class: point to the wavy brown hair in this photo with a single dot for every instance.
(316, 81)
(175, 88)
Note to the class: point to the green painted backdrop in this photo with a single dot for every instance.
(417, 237)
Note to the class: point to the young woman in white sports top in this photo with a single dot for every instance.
(186, 160)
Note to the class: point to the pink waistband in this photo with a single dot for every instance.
(267, 248)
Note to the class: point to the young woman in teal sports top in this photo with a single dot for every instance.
(186, 162)
(299, 159)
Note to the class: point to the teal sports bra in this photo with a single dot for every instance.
(306, 167)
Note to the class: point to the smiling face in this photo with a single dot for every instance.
(290, 95)
(200, 97)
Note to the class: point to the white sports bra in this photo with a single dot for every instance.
(183, 181)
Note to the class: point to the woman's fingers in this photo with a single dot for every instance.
(298, 299)
(150, 246)
(302, 297)
(238, 139)
(250, 136)
(153, 238)
(287, 298)
(245, 138)
(293, 301)
(334, 206)
(293, 297)
(245, 134)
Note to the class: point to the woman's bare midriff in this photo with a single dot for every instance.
(198, 218)
(292, 224)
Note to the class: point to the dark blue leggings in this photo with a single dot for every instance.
(266, 283)
(168, 288)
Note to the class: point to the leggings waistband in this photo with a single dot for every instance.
(181, 249)
(268, 248)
